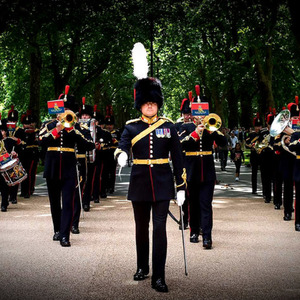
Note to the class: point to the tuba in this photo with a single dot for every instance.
(281, 124)
(67, 119)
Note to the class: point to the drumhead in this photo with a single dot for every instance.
(9, 164)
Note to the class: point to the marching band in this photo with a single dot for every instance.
(80, 150)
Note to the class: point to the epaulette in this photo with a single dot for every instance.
(133, 121)
(169, 120)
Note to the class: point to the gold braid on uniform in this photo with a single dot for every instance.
(294, 142)
(183, 176)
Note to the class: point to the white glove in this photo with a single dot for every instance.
(122, 159)
(180, 197)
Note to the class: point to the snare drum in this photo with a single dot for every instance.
(13, 172)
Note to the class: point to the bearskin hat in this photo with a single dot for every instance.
(294, 107)
(270, 116)
(185, 106)
(13, 115)
(85, 109)
(148, 90)
(109, 120)
(257, 121)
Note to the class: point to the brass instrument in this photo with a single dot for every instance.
(260, 146)
(67, 119)
(281, 124)
(212, 122)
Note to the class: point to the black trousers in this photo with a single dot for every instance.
(27, 186)
(267, 170)
(297, 202)
(4, 192)
(254, 169)
(288, 195)
(238, 164)
(159, 245)
(201, 213)
(62, 215)
(223, 155)
(98, 179)
(90, 181)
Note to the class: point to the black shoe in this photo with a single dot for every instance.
(103, 196)
(267, 200)
(26, 196)
(14, 201)
(297, 227)
(207, 243)
(254, 193)
(287, 217)
(21, 195)
(96, 200)
(160, 286)
(140, 275)
(75, 230)
(3, 208)
(56, 236)
(194, 238)
(86, 207)
(111, 191)
(276, 206)
(64, 242)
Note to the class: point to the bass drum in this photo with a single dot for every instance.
(13, 172)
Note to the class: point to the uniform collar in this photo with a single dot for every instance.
(149, 120)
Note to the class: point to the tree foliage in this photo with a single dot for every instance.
(244, 54)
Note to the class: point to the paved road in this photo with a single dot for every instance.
(255, 253)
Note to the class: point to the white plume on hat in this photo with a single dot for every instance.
(140, 62)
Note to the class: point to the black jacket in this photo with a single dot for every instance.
(62, 164)
(200, 168)
(153, 182)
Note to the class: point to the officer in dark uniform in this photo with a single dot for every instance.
(19, 133)
(251, 141)
(294, 147)
(186, 126)
(103, 153)
(85, 115)
(152, 139)
(285, 171)
(111, 165)
(29, 157)
(7, 145)
(197, 144)
(266, 159)
(60, 168)
(277, 156)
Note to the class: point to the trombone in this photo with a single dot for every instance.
(67, 119)
(211, 122)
